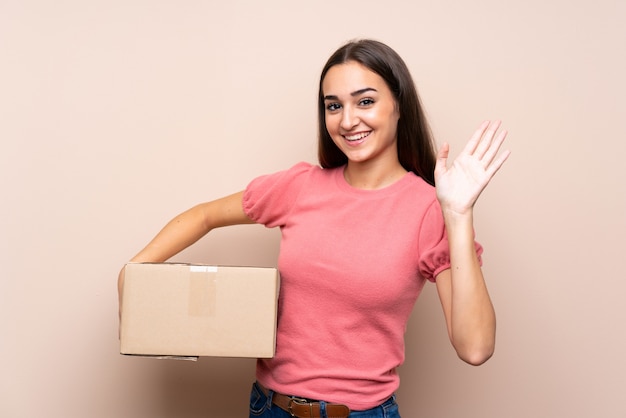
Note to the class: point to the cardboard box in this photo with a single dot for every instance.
(199, 310)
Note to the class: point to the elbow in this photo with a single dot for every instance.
(476, 359)
(475, 349)
(475, 345)
(476, 356)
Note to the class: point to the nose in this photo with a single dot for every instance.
(349, 118)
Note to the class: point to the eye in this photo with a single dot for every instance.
(366, 102)
(333, 106)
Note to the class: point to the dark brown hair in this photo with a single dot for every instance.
(416, 150)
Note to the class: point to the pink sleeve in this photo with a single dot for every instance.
(268, 199)
(433, 244)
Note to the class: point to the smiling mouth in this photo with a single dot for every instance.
(356, 137)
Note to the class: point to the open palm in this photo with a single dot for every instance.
(460, 185)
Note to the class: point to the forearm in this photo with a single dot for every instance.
(178, 234)
(472, 318)
(191, 225)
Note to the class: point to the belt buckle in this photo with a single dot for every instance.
(299, 402)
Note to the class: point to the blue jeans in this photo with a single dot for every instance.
(261, 407)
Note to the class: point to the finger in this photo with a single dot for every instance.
(486, 140)
(475, 139)
(493, 168)
(493, 149)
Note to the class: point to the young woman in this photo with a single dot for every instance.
(361, 234)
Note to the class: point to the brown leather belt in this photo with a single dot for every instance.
(304, 408)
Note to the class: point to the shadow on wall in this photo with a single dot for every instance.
(239, 245)
(210, 387)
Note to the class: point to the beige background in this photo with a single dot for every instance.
(116, 115)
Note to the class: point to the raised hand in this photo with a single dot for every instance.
(459, 186)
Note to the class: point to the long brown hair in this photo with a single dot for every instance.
(416, 151)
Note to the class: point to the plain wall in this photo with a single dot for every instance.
(117, 115)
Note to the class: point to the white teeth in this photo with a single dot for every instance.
(357, 136)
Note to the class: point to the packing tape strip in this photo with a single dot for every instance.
(202, 291)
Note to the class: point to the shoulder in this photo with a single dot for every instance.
(420, 190)
(276, 193)
(298, 169)
(297, 175)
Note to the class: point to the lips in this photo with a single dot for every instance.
(356, 137)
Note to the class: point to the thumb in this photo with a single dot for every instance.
(442, 159)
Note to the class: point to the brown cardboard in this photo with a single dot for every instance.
(199, 310)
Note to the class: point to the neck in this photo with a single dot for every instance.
(368, 177)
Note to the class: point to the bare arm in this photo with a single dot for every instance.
(191, 225)
(469, 313)
(188, 227)
(467, 307)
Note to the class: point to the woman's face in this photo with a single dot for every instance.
(361, 114)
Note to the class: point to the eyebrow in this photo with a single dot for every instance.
(354, 93)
